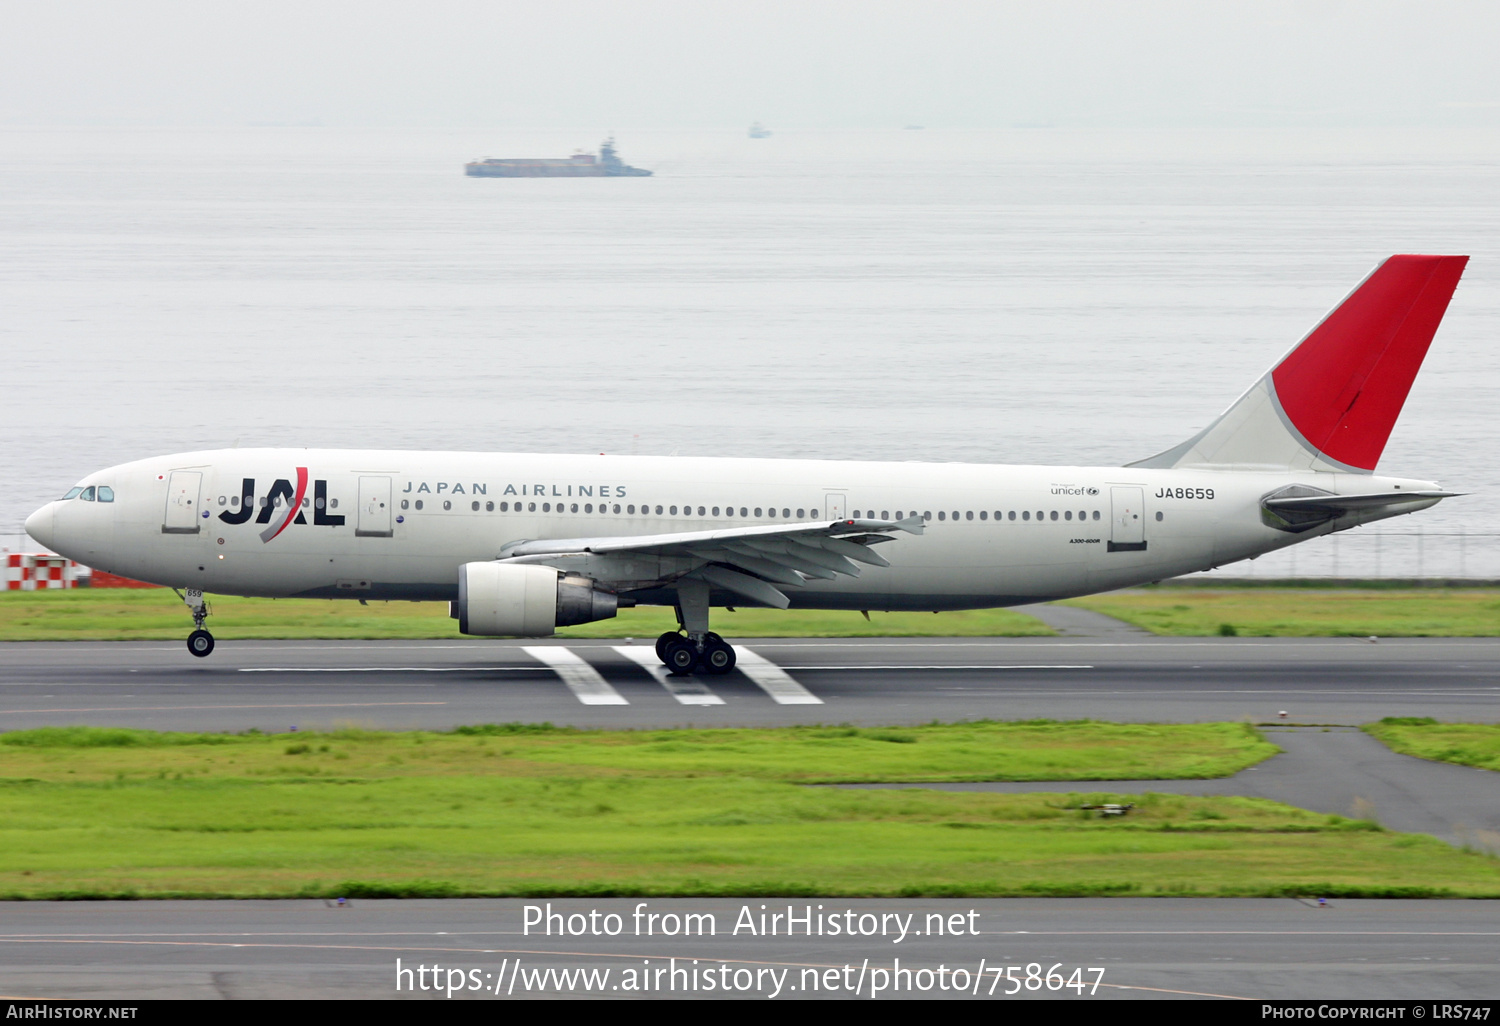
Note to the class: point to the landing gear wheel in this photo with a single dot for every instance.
(662, 643)
(200, 643)
(718, 656)
(681, 657)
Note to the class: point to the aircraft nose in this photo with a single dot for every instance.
(39, 525)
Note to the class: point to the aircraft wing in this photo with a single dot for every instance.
(752, 561)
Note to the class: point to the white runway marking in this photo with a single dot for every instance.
(174, 708)
(383, 669)
(942, 666)
(773, 680)
(685, 689)
(581, 678)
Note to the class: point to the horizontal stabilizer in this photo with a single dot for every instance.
(1370, 500)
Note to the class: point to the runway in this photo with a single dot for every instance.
(272, 685)
(1132, 947)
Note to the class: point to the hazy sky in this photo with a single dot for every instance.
(704, 64)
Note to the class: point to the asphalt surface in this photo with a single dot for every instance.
(1147, 948)
(1337, 770)
(273, 685)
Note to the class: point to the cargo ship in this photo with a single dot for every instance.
(580, 165)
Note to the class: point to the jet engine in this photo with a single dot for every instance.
(521, 600)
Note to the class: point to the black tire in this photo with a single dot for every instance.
(718, 658)
(662, 643)
(681, 657)
(200, 643)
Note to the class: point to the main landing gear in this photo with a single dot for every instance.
(200, 642)
(695, 648)
(685, 654)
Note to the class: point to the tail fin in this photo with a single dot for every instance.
(1331, 402)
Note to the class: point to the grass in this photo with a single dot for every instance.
(525, 810)
(1305, 612)
(118, 614)
(1468, 744)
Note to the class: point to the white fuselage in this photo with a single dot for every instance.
(995, 535)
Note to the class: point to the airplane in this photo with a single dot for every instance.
(521, 544)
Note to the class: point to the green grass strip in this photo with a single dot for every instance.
(1467, 744)
(1305, 612)
(533, 810)
(117, 614)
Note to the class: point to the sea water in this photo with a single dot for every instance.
(1026, 296)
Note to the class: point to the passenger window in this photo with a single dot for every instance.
(969, 515)
(447, 504)
(547, 507)
(942, 515)
(505, 507)
(885, 514)
(474, 505)
(630, 509)
(955, 514)
(744, 512)
(1096, 514)
(812, 512)
(1083, 514)
(107, 494)
(333, 504)
(701, 511)
(234, 500)
(984, 514)
(1054, 514)
(899, 516)
(1068, 515)
(673, 510)
(1011, 515)
(530, 506)
(855, 514)
(757, 510)
(716, 511)
(489, 507)
(1025, 514)
(786, 513)
(419, 503)
(73, 493)
(223, 500)
(800, 514)
(658, 511)
(404, 504)
(88, 494)
(927, 514)
(571, 509)
(1158, 515)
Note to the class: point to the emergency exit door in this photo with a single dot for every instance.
(181, 516)
(374, 518)
(1127, 531)
(835, 507)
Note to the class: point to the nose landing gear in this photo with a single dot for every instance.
(200, 642)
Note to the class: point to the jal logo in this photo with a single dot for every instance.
(282, 506)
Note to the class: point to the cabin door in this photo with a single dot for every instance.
(181, 516)
(374, 520)
(1127, 531)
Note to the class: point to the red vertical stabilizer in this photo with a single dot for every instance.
(1342, 388)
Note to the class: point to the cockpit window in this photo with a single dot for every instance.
(88, 494)
(106, 493)
(73, 493)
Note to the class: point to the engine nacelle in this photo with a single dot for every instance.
(520, 600)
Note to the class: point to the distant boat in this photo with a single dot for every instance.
(580, 165)
(759, 131)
